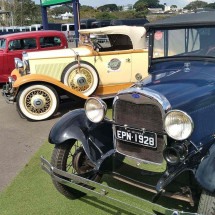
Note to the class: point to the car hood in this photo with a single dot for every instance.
(60, 53)
(190, 88)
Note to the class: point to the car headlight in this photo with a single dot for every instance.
(19, 64)
(178, 125)
(95, 109)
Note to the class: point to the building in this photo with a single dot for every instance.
(127, 7)
(155, 10)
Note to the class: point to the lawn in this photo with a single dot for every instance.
(32, 192)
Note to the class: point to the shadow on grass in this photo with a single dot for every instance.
(104, 206)
(164, 201)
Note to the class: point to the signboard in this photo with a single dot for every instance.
(54, 2)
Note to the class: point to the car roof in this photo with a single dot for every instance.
(136, 33)
(183, 20)
(31, 34)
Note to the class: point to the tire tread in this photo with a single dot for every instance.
(206, 204)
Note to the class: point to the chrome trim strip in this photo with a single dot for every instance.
(161, 99)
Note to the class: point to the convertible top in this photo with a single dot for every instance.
(136, 34)
(191, 19)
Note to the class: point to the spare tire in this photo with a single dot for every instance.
(82, 77)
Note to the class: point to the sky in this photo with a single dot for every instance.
(96, 3)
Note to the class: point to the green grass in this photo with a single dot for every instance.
(32, 192)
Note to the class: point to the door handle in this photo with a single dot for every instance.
(128, 60)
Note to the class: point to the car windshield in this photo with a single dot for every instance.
(2, 43)
(184, 41)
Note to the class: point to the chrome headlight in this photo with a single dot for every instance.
(19, 64)
(95, 109)
(178, 125)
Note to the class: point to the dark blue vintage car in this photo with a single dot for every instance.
(162, 134)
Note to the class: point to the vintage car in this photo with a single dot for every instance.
(41, 79)
(13, 45)
(161, 137)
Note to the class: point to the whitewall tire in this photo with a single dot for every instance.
(37, 102)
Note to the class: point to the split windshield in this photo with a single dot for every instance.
(184, 42)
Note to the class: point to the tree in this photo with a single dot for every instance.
(173, 6)
(105, 15)
(141, 6)
(86, 8)
(211, 5)
(24, 12)
(108, 8)
(195, 5)
(146, 4)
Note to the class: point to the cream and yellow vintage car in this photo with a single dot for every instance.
(107, 60)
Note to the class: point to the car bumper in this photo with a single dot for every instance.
(106, 193)
(8, 91)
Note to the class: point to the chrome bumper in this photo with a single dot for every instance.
(8, 91)
(106, 193)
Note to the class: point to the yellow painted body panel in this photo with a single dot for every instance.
(110, 89)
(132, 62)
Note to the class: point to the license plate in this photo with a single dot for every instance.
(137, 136)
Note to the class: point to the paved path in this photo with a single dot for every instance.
(20, 139)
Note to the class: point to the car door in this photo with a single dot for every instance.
(113, 67)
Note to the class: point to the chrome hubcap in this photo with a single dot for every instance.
(38, 102)
(80, 79)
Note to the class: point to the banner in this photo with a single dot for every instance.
(54, 2)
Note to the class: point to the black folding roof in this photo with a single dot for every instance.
(183, 20)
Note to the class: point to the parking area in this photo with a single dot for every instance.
(20, 139)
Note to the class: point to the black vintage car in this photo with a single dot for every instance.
(161, 137)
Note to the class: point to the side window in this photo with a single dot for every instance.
(22, 44)
(63, 28)
(15, 45)
(30, 43)
(49, 42)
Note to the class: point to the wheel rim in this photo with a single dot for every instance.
(80, 79)
(38, 102)
(77, 162)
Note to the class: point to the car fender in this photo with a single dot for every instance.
(16, 73)
(27, 79)
(97, 138)
(205, 173)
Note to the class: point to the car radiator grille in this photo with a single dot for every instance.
(146, 116)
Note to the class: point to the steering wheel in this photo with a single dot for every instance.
(97, 45)
(211, 51)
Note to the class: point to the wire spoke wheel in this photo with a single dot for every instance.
(80, 79)
(38, 101)
(71, 157)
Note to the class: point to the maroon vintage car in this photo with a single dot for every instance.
(13, 45)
